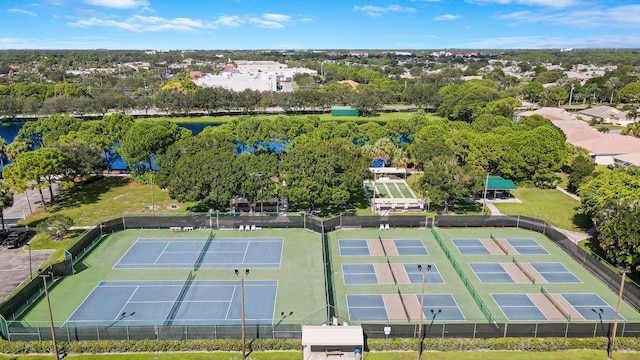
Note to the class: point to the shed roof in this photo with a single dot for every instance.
(500, 183)
(332, 335)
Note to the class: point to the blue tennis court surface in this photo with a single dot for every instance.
(518, 307)
(437, 307)
(430, 277)
(527, 247)
(491, 273)
(591, 306)
(470, 247)
(131, 303)
(410, 247)
(353, 247)
(555, 272)
(185, 253)
(356, 274)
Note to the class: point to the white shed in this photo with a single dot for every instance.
(324, 342)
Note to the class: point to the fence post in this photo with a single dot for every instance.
(475, 328)
(124, 223)
(535, 332)
(126, 325)
(595, 329)
(566, 329)
(518, 222)
(506, 325)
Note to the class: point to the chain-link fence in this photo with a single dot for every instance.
(32, 289)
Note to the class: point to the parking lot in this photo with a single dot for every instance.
(14, 266)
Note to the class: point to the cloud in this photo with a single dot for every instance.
(543, 3)
(375, 11)
(147, 24)
(232, 21)
(42, 43)
(446, 17)
(550, 42)
(20, 11)
(119, 4)
(431, 1)
(621, 16)
(268, 20)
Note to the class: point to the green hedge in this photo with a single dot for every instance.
(496, 344)
(502, 344)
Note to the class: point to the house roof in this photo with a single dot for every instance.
(350, 82)
(581, 134)
(632, 159)
(332, 335)
(571, 124)
(604, 112)
(611, 144)
(500, 183)
(551, 113)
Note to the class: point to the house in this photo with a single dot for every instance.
(195, 75)
(627, 160)
(354, 84)
(605, 147)
(607, 115)
(550, 113)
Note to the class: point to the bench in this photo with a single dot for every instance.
(187, 228)
(175, 228)
(338, 352)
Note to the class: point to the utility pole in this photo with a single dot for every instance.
(615, 321)
(53, 332)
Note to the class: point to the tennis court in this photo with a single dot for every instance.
(402, 307)
(389, 273)
(495, 246)
(382, 247)
(120, 303)
(522, 272)
(186, 253)
(554, 306)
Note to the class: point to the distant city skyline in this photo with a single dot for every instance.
(328, 24)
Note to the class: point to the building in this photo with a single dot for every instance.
(607, 115)
(550, 113)
(627, 160)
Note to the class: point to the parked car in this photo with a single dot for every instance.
(15, 240)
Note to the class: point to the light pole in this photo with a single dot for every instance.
(30, 269)
(615, 321)
(242, 276)
(420, 333)
(53, 332)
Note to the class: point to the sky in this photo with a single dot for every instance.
(325, 24)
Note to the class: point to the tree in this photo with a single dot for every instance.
(618, 185)
(323, 174)
(56, 226)
(40, 166)
(146, 139)
(6, 200)
(258, 174)
(618, 226)
(445, 182)
(581, 168)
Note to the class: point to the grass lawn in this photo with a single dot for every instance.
(550, 205)
(409, 355)
(106, 198)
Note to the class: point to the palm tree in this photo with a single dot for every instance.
(632, 114)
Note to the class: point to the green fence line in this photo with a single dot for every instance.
(4, 329)
(463, 277)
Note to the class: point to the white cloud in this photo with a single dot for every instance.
(147, 24)
(20, 11)
(269, 20)
(119, 4)
(621, 16)
(41, 43)
(549, 42)
(543, 3)
(374, 11)
(227, 20)
(446, 17)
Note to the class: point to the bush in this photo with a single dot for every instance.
(400, 344)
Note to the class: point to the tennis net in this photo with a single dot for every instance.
(555, 303)
(176, 305)
(382, 244)
(495, 239)
(395, 281)
(524, 270)
(203, 252)
(404, 306)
